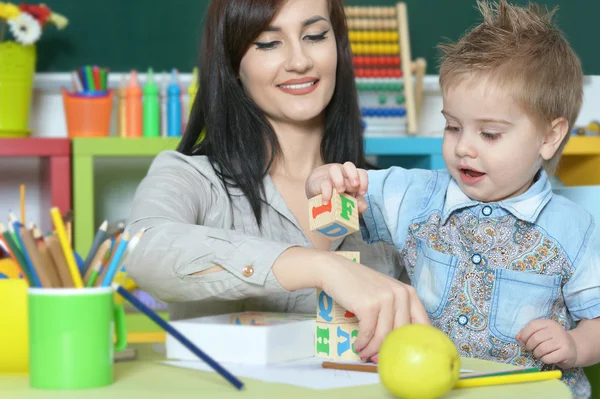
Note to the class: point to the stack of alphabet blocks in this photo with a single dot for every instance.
(336, 328)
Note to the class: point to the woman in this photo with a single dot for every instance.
(226, 215)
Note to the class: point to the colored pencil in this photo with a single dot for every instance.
(23, 203)
(12, 218)
(178, 336)
(508, 379)
(41, 269)
(98, 240)
(369, 368)
(47, 257)
(35, 280)
(113, 266)
(131, 246)
(68, 222)
(60, 262)
(64, 243)
(13, 253)
(466, 376)
(93, 277)
(372, 368)
(115, 241)
(99, 258)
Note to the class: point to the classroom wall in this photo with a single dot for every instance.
(116, 32)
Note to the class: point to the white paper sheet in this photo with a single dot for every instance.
(307, 373)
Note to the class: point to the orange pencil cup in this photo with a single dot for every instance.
(88, 116)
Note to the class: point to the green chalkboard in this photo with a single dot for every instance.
(165, 34)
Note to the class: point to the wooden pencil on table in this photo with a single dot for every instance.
(372, 368)
(369, 368)
(466, 376)
(508, 379)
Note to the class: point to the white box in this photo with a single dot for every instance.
(246, 338)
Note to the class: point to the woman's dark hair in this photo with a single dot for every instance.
(239, 141)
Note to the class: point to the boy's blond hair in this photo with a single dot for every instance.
(519, 48)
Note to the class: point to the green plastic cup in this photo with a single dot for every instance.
(71, 337)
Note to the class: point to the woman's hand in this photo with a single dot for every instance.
(346, 178)
(381, 303)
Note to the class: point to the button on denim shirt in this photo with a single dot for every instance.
(483, 271)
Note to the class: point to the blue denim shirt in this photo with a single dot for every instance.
(483, 271)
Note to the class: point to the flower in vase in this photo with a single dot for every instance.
(25, 28)
(8, 11)
(59, 20)
(40, 13)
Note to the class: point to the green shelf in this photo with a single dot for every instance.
(83, 152)
(123, 147)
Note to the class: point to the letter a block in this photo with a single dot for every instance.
(336, 219)
(336, 341)
(329, 311)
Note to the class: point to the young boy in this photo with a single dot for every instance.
(510, 271)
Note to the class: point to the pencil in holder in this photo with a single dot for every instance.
(88, 115)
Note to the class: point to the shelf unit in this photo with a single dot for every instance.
(580, 164)
(55, 156)
(85, 150)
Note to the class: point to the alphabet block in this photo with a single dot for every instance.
(336, 219)
(267, 318)
(329, 311)
(336, 341)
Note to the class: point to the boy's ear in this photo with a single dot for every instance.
(559, 128)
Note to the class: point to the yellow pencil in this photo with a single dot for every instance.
(508, 379)
(23, 203)
(64, 243)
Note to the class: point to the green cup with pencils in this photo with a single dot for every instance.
(73, 334)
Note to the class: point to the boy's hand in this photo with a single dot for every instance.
(346, 178)
(549, 342)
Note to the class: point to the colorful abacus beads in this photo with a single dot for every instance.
(371, 12)
(379, 86)
(378, 73)
(373, 36)
(377, 60)
(375, 48)
(365, 23)
(383, 112)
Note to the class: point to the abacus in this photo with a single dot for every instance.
(388, 97)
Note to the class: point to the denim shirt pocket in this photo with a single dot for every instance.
(519, 298)
(433, 275)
